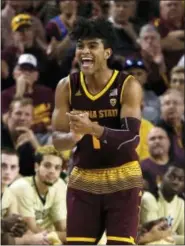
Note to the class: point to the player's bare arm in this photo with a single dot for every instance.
(130, 117)
(63, 139)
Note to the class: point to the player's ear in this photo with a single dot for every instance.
(36, 167)
(108, 53)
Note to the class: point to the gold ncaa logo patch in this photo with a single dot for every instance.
(113, 101)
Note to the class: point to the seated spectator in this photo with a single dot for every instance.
(59, 26)
(155, 232)
(158, 162)
(142, 148)
(25, 41)
(151, 103)
(10, 161)
(172, 114)
(152, 56)
(125, 29)
(171, 26)
(9, 11)
(177, 79)
(167, 203)
(9, 202)
(12, 226)
(42, 197)
(26, 75)
(17, 134)
(11, 169)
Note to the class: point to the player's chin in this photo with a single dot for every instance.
(49, 182)
(87, 70)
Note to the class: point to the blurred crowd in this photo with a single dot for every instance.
(36, 53)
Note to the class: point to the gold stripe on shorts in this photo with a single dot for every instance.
(107, 180)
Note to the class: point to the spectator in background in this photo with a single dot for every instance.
(126, 30)
(10, 161)
(11, 169)
(152, 56)
(17, 134)
(159, 160)
(171, 26)
(25, 41)
(42, 197)
(151, 103)
(177, 79)
(172, 114)
(167, 203)
(155, 232)
(142, 148)
(12, 226)
(59, 26)
(10, 10)
(26, 75)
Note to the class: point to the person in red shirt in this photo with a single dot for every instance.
(171, 28)
(26, 75)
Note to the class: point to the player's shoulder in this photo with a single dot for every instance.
(60, 184)
(148, 197)
(24, 183)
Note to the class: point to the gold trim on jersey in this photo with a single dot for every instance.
(69, 89)
(102, 92)
(123, 86)
(107, 180)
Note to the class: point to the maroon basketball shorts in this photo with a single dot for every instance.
(89, 215)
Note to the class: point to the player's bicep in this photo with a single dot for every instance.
(60, 120)
(131, 99)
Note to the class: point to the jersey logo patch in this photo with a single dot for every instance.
(78, 93)
(113, 101)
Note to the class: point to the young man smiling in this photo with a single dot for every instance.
(104, 187)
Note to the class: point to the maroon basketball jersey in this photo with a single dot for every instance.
(103, 108)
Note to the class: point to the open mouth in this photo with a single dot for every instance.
(87, 62)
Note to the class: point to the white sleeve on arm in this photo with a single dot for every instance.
(59, 210)
(25, 199)
(149, 208)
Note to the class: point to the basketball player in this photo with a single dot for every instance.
(105, 184)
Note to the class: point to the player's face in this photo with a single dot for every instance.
(49, 169)
(9, 168)
(174, 180)
(158, 142)
(91, 55)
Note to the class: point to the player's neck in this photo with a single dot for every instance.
(42, 188)
(167, 196)
(160, 160)
(98, 80)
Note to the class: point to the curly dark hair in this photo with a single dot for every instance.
(94, 28)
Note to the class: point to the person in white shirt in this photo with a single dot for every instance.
(166, 202)
(42, 198)
(9, 205)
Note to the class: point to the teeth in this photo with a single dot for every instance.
(87, 59)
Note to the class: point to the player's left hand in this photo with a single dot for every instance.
(80, 123)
